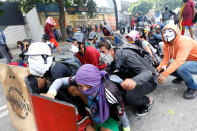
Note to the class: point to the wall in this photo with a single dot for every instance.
(111, 21)
(73, 20)
(14, 34)
(34, 26)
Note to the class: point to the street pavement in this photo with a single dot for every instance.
(170, 111)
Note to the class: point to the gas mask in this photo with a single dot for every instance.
(108, 59)
(169, 35)
(74, 49)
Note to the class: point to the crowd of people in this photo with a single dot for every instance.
(84, 29)
(104, 75)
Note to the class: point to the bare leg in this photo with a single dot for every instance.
(183, 30)
(90, 128)
(191, 32)
(104, 129)
(58, 49)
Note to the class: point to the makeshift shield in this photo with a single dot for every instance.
(29, 111)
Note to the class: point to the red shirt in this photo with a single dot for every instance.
(188, 10)
(48, 30)
(91, 57)
(132, 22)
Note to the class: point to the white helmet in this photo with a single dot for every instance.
(39, 48)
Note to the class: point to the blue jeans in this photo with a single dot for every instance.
(185, 72)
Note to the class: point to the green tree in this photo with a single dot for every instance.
(27, 5)
(172, 4)
(91, 8)
(142, 6)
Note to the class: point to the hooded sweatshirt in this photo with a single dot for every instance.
(111, 35)
(185, 49)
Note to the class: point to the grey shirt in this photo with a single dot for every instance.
(146, 43)
(129, 61)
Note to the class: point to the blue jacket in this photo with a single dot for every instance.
(157, 36)
(2, 38)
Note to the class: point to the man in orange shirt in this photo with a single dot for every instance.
(180, 58)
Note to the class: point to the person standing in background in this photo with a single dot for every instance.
(4, 50)
(166, 15)
(187, 16)
(50, 23)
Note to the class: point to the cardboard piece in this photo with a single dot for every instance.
(29, 111)
(17, 98)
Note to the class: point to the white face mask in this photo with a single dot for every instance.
(169, 35)
(108, 59)
(37, 66)
(74, 49)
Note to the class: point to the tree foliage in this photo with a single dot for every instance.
(142, 6)
(91, 8)
(172, 4)
(145, 5)
(27, 5)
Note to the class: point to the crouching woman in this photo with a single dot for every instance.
(104, 98)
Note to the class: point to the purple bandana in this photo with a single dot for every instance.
(90, 75)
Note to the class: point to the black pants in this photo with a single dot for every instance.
(4, 53)
(137, 97)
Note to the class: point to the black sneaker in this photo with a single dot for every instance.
(143, 110)
(189, 94)
(177, 80)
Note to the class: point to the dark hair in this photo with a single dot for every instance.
(25, 40)
(46, 37)
(166, 8)
(185, 1)
(108, 44)
(19, 43)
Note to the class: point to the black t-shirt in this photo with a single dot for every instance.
(59, 70)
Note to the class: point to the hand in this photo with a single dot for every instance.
(48, 95)
(128, 84)
(161, 79)
(179, 23)
(158, 70)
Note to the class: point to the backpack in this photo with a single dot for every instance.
(141, 52)
(70, 61)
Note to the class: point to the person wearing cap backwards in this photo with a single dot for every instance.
(180, 58)
(85, 54)
(50, 23)
(139, 77)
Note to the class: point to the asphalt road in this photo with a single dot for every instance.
(169, 113)
(5, 123)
